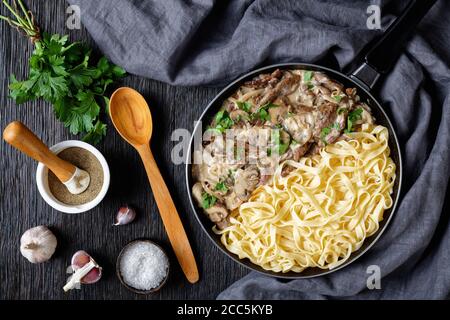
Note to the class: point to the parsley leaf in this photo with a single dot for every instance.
(63, 74)
(353, 116)
(337, 98)
(324, 133)
(307, 76)
(336, 126)
(262, 113)
(208, 200)
(222, 121)
(97, 133)
(221, 187)
(269, 106)
(280, 146)
(341, 110)
(246, 106)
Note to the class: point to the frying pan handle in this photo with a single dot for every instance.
(387, 50)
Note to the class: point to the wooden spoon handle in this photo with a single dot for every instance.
(169, 216)
(20, 137)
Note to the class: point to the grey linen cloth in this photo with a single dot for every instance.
(205, 42)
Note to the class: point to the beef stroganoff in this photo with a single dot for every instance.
(294, 172)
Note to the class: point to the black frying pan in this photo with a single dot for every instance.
(377, 61)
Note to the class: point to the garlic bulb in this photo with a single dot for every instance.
(38, 244)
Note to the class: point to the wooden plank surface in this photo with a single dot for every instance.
(22, 207)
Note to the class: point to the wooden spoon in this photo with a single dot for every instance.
(131, 116)
(20, 137)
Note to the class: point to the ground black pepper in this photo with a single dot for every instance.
(85, 160)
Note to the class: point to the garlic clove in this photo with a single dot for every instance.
(125, 215)
(93, 276)
(38, 244)
(81, 258)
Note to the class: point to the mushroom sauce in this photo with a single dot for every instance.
(275, 117)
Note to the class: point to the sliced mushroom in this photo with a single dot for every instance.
(197, 191)
(334, 86)
(320, 77)
(238, 115)
(218, 214)
(229, 106)
(300, 127)
(323, 90)
(287, 170)
(366, 116)
(246, 181)
(232, 201)
(324, 117)
(265, 178)
(222, 224)
(314, 149)
(299, 151)
(277, 114)
(305, 97)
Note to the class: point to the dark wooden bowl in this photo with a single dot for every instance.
(122, 281)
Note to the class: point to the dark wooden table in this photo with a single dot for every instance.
(22, 207)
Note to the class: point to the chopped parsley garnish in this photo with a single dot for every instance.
(307, 76)
(223, 121)
(219, 116)
(327, 130)
(353, 116)
(337, 98)
(221, 186)
(270, 105)
(280, 147)
(208, 200)
(246, 106)
(324, 133)
(341, 110)
(262, 113)
(336, 126)
(209, 128)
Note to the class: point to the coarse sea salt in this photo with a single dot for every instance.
(143, 265)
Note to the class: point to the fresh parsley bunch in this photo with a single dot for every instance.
(64, 74)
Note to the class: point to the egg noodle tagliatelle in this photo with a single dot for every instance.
(322, 211)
